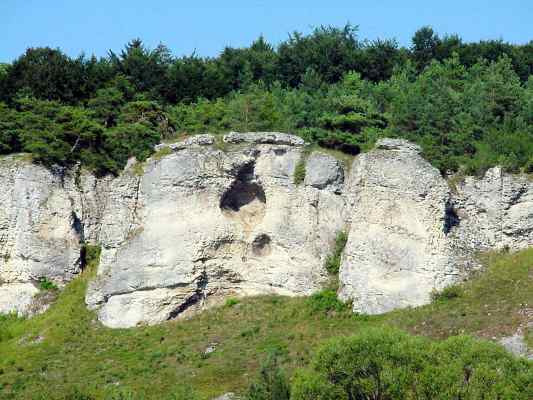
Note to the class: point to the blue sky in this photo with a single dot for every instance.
(94, 26)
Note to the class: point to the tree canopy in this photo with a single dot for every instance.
(470, 105)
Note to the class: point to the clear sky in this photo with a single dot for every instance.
(94, 26)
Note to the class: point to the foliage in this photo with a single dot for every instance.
(299, 172)
(90, 256)
(469, 105)
(46, 284)
(272, 383)
(388, 364)
(333, 261)
(231, 302)
(448, 293)
(326, 301)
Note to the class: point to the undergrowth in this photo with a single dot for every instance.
(333, 261)
(66, 351)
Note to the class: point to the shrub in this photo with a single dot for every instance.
(385, 363)
(333, 261)
(45, 284)
(272, 383)
(299, 172)
(448, 293)
(324, 301)
(90, 256)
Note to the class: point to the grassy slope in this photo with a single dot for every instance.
(76, 353)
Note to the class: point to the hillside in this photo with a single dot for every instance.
(66, 351)
(326, 218)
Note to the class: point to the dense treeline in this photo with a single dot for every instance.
(470, 105)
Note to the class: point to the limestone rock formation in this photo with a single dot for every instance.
(496, 210)
(39, 231)
(398, 249)
(324, 172)
(208, 220)
(201, 224)
(516, 344)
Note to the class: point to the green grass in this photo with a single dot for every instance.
(66, 350)
(333, 261)
(299, 171)
(162, 153)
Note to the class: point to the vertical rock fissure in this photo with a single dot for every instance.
(135, 204)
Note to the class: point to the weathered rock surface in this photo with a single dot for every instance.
(517, 345)
(264, 138)
(200, 224)
(397, 250)
(324, 172)
(496, 211)
(39, 228)
(44, 219)
(17, 298)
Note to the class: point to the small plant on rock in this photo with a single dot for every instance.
(448, 293)
(231, 302)
(333, 261)
(46, 285)
(299, 172)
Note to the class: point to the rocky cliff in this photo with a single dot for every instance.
(210, 220)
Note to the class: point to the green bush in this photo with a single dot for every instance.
(45, 284)
(448, 293)
(325, 301)
(388, 364)
(333, 261)
(299, 172)
(272, 383)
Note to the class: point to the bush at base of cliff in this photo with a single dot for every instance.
(387, 364)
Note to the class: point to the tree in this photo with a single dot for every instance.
(424, 46)
(329, 51)
(192, 77)
(47, 74)
(146, 69)
(379, 59)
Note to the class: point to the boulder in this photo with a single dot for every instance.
(264, 138)
(323, 171)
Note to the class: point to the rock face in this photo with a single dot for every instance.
(201, 223)
(324, 172)
(39, 231)
(44, 219)
(516, 344)
(398, 249)
(496, 211)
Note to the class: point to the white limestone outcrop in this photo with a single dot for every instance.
(207, 221)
